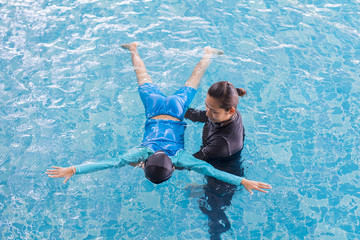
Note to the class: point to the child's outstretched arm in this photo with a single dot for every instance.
(186, 160)
(132, 156)
(59, 172)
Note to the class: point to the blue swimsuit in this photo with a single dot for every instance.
(160, 134)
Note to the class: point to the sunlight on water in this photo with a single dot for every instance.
(68, 95)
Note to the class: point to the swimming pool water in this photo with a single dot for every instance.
(68, 95)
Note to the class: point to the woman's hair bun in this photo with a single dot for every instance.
(241, 92)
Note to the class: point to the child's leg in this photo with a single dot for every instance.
(201, 67)
(139, 66)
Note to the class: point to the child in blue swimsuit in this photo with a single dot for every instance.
(162, 147)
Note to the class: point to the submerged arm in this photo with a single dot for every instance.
(186, 160)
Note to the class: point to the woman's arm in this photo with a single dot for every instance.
(196, 115)
(218, 147)
(186, 160)
(221, 145)
(133, 155)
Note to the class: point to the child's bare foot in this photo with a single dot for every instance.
(130, 46)
(213, 51)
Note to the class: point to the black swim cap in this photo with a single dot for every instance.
(158, 167)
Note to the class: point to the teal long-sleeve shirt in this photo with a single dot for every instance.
(182, 159)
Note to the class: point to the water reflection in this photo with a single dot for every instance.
(218, 195)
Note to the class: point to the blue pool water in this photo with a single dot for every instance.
(68, 95)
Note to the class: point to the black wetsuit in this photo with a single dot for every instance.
(221, 147)
(219, 140)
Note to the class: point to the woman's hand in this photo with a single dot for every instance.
(253, 185)
(58, 172)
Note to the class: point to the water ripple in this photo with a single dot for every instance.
(68, 94)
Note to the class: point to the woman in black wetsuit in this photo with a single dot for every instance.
(223, 132)
(222, 142)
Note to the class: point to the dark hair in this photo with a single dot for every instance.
(158, 167)
(226, 93)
